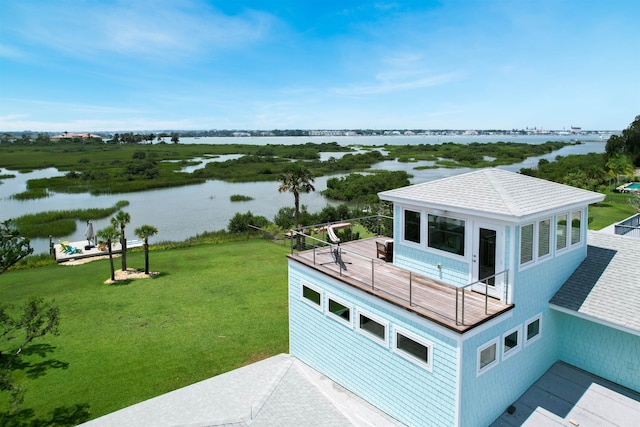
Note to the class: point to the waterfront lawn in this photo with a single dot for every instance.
(213, 308)
(614, 208)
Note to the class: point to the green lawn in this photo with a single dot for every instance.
(614, 208)
(213, 308)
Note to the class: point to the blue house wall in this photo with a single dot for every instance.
(409, 392)
(610, 353)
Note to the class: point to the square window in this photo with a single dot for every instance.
(311, 295)
(533, 328)
(338, 310)
(487, 356)
(412, 226)
(511, 342)
(447, 234)
(413, 348)
(373, 327)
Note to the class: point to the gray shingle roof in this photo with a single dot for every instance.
(606, 286)
(493, 192)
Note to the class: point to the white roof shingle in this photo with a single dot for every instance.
(606, 286)
(494, 193)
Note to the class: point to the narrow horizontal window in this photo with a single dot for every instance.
(373, 328)
(311, 295)
(413, 348)
(339, 310)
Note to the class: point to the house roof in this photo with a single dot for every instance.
(280, 390)
(494, 193)
(606, 286)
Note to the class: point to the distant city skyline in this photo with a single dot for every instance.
(112, 66)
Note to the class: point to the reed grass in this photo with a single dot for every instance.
(60, 223)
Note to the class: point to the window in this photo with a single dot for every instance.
(561, 232)
(487, 356)
(338, 310)
(311, 295)
(446, 234)
(544, 237)
(532, 329)
(526, 244)
(511, 343)
(575, 227)
(413, 348)
(535, 240)
(373, 327)
(412, 226)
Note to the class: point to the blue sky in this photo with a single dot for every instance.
(190, 64)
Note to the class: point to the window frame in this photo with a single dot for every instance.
(382, 341)
(525, 331)
(535, 243)
(336, 317)
(483, 369)
(465, 227)
(570, 242)
(305, 284)
(566, 232)
(428, 365)
(421, 233)
(513, 350)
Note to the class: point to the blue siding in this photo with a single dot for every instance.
(397, 386)
(601, 350)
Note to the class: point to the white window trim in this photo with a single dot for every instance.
(423, 231)
(375, 338)
(337, 318)
(486, 368)
(466, 240)
(570, 233)
(536, 259)
(528, 341)
(426, 365)
(303, 284)
(517, 348)
(567, 233)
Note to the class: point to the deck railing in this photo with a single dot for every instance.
(629, 227)
(320, 248)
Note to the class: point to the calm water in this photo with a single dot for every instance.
(182, 212)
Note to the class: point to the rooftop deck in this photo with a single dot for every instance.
(455, 308)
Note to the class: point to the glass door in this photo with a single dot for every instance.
(486, 258)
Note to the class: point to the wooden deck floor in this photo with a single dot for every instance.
(428, 298)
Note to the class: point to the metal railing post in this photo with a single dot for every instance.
(373, 283)
(457, 289)
(486, 297)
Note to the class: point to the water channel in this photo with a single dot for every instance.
(183, 212)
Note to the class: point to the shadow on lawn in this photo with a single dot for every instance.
(61, 416)
(38, 369)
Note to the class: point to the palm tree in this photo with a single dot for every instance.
(120, 221)
(144, 232)
(108, 235)
(619, 164)
(297, 179)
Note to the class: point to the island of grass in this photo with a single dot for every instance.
(100, 168)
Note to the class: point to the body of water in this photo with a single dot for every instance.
(183, 212)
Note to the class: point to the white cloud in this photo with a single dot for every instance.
(387, 83)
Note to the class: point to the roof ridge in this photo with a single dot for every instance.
(503, 193)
